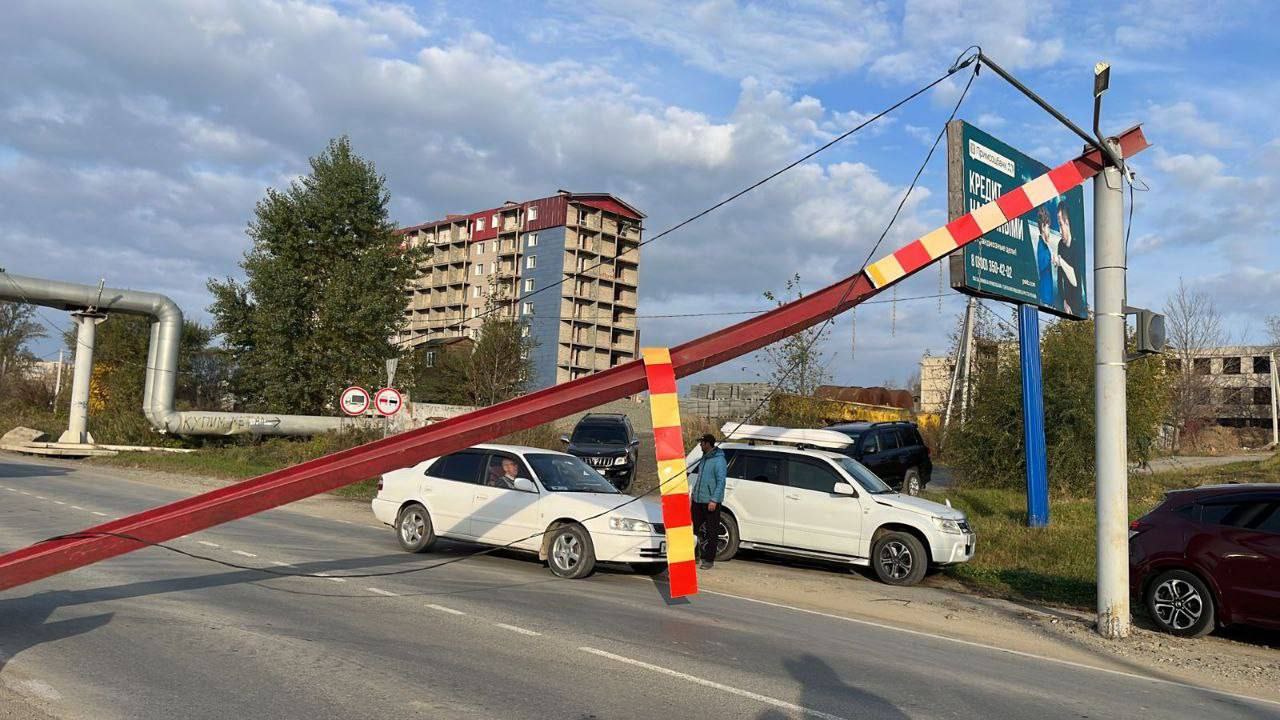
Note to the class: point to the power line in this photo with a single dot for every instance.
(776, 386)
(699, 215)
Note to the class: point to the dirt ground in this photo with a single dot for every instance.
(1242, 660)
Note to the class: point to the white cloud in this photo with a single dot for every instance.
(796, 42)
(1183, 119)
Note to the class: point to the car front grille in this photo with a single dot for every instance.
(599, 461)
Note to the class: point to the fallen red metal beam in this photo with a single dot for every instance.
(343, 468)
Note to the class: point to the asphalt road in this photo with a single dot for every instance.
(154, 634)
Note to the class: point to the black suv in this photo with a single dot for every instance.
(893, 450)
(606, 442)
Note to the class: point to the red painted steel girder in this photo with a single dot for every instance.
(372, 459)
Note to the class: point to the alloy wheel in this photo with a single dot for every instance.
(1177, 604)
(895, 559)
(566, 551)
(413, 526)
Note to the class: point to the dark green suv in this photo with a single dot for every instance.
(893, 450)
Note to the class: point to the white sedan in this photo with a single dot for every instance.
(539, 501)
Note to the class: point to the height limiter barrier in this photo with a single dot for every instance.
(287, 485)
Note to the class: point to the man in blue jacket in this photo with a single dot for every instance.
(708, 493)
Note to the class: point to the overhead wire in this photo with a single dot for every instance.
(776, 386)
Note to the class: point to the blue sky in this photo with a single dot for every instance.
(135, 137)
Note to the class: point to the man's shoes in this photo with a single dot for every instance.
(706, 565)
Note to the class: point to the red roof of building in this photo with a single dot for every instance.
(602, 201)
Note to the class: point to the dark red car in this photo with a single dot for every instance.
(1209, 557)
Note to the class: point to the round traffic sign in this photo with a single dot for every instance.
(354, 400)
(387, 401)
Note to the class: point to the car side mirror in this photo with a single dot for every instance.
(526, 485)
(842, 488)
(635, 443)
(564, 439)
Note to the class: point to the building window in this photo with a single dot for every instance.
(1232, 396)
(495, 222)
(479, 268)
(528, 286)
(533, 212)
(1231, 366)
(524, 330)
(531, 240)
(531, 262)
(1173, 365)
(429, 358)
(479, 248)
(1200, 396)
(475, 291)
(1261, 364)
(528, 309)
(1202, 365)
(1262, 395)
(479, 224)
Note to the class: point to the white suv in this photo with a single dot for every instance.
(540, 501)
(788, 492)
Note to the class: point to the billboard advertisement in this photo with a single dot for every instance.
(1036, 259)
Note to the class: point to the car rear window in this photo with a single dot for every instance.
(1246, 514)
(462, 467)
(758, 467)
(889, 440)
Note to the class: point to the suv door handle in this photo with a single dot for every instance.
(793, 497)
(481, 497)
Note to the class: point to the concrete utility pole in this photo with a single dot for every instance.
(86, 332)
(1275, 401)
(1110, 402)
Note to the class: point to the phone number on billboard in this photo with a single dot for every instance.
(994, 267)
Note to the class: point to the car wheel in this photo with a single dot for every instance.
(570, 553)
(414, 530)
(649, 568)
(899, 558)
(911, 484)
(727, 538)
(1179, 603)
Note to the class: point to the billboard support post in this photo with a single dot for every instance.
(1111, 436)
(1033, 416)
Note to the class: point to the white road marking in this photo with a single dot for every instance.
(24, 492)
(210, 544)
(993, 648)
(279, 564)
(58, 502)
(381, 592)
(327, 576)
(246, 554)
(444, 609)
(12, 489)
(522, 631)
(99, 514)
(76, 507)
(41, 497)
(715, 685)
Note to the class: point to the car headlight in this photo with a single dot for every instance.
(621, 460)
(629, 525)
(948, 525)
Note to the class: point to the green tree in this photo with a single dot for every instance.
(988, 449)
(796, 368)
(496, 367)
(324, 288)
(18, 329)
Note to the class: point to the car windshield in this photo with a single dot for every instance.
(566, 473)
(867, 479)
(601, 434)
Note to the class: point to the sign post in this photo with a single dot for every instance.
(1034, 261)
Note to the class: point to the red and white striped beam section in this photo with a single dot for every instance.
(673, 481)
(290, 484)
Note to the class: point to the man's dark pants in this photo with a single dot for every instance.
(706, 523)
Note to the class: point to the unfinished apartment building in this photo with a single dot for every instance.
(500, 258)
(1233, 385)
